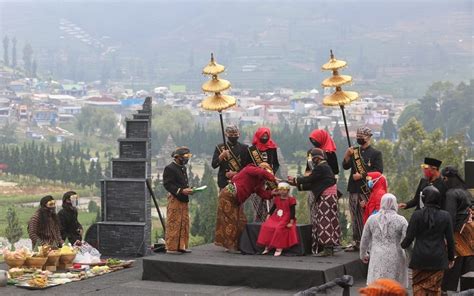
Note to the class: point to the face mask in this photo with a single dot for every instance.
(360, 141)
(51, 210)
(315, 161)
(184, 161)
(233, 140)
(263, 140)
(428, 174)
(371, 183)
(315, 143)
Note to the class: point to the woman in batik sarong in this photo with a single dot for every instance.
(326, 231)
(432, 230)
(458, 205)
(231, 219)
(263, 141)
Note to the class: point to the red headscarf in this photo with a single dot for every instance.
(379, 189)
(256, 139)
(322, 137)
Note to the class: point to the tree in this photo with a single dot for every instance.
(92, 207)
(34, 68)
(14, 61)
(6, 43)
(27, 55)
(13, 231)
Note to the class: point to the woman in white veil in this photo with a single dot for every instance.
(380, 243)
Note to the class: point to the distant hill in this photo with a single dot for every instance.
(394, 47)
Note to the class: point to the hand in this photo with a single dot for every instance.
(356, 176)
(402, 205)
(349, 152)
(224, 155)
(268, 217)
(363, 203)
(366, 260)
(77, 243)
(275, 192)
(187, 191)
(291, 180)
(289, 225)
(451, 264)
(230, 174)
(80, 231)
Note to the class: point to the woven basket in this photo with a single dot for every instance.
(35, 262)
(67, 259)
(53, 260)
(14, 262)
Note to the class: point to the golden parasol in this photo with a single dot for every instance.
(213, 68)
(218, 101)
(339, 97)
(333, 64)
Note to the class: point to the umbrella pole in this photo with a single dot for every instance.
(345, 125)
(222, 128)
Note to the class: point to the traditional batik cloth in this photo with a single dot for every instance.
(231, 219)
(357, 213)
(427, 282)
(464, 240)
(274, 232)
(260, 207)
(327, 219)
(177, 224)
(313, 214)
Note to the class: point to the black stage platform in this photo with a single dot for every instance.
(210, 265)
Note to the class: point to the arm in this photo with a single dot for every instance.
(416, 199)
(215, 159)
(332, 161)
(264, 194)
(449, 239)
(347, 164)
(62, 224)
(257, 171)
(451, 206)
(365, 241)
(411, 231)
(316, 174)
(272, 210)
(292, 213)
(276, 163)
(33, 226)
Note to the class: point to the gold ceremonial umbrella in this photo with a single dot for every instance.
(336, 80)
(213, 68)
(218, 102)
(339, 97)
(216, 85)
(334, 64)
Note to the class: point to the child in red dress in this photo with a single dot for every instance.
(279, 230)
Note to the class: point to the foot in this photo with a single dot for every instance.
(278, 252)
(325, 253)
(354, 247)
(173, 252)
(265, 251)
(185, 251)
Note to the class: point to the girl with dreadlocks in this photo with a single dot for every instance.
(43, 227)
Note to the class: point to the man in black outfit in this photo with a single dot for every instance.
(432, 176)
(222, 156)
(372, 161)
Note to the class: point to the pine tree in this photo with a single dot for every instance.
(207, 201)
(6, 43)
(14, 62)
(13, 231)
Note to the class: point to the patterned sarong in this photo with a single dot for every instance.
(327, 219)
(231, 219)
(313, 214)
(177, 224)
(464, 240)
(356, 215)
(427, 282)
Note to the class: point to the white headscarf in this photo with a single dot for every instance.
(388, 208)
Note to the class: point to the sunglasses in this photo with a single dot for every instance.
(51, 203)
(187, 155)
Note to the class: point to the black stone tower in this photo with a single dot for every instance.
(125, 229)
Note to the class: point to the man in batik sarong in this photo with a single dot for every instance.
(175, 181)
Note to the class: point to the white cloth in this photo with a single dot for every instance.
(381, 238)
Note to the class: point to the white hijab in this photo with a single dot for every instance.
(388, 208)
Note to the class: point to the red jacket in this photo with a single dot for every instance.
(251, 179)
(380, 188)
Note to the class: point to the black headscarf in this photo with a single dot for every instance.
(430, 197)
(45, 215)
(454, 179)
(67, 196)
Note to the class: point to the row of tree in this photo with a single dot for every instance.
(67, 164)
(10, 60)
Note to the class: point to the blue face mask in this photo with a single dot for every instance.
(371, 183)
